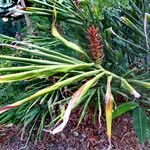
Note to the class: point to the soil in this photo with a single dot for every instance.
(86, 137)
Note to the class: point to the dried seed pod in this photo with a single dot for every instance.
(95, 44)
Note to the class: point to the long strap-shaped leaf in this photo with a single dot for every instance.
(85, 108)
(49, 89)
(99, 108)
(109, 107)
(127, 86)
(7, 38)
(140, 83)
(139, 48)
(38, 53)
(41, 72)
(45, 50)
(46, 4)
(75, 99)
(61, 8)
(24, 68)
(28, 61)
(140, 123)
(63, 40)
(36, 10)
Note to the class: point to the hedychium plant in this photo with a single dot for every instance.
(90, 74)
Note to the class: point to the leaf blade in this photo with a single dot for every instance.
(123, 108)
(140, 123)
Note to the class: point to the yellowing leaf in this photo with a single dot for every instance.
(109, 108)
(6, 108)
(127, 86)
(75, 99)
(56, 34)
(71, 104)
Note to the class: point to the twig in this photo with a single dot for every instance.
(27, 19)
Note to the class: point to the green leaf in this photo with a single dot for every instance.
(140, 83)
(50, 70)
(27, 60)
(49, 89)
(38, 53)
(123, 108)
(30, 116)
(148, 130)
(140, 123)
(85, 108)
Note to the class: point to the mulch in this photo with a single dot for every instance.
(87, 136)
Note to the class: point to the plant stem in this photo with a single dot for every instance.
(27, 19)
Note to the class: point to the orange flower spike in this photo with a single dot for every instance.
(109, 109)
(95, 44)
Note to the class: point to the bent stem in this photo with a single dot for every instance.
(124, 82)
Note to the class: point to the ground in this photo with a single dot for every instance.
(86, 137)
